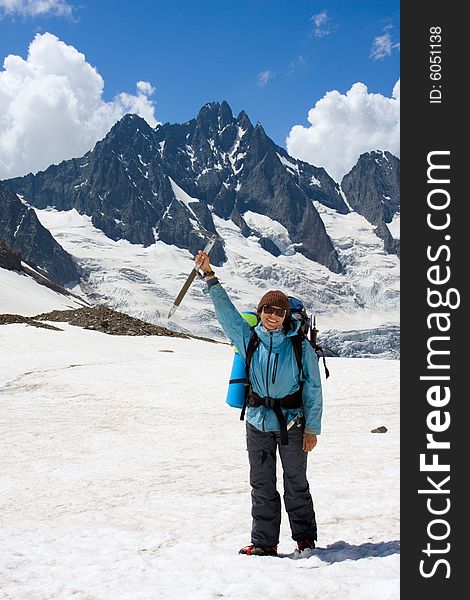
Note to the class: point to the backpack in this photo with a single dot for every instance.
(307, 330)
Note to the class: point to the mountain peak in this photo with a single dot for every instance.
(130, 122)
(225, 114)
(380, 156)
(141, 183)
(126, 132)
(372, 189)
(210, 108)
(261, 142)
(244, 121)
(214, 116)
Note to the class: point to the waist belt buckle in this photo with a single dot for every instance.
(269, 402)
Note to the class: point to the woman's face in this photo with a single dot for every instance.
(272, 317)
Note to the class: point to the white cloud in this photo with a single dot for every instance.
(52, 107)
(264, 77)
(321, 23)
(295, 65)
(344, 126)
(383, 47)
(145, 87)
(35, 7)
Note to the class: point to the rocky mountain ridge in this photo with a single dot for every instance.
(21, 231)
(281, 222)
(168, 183)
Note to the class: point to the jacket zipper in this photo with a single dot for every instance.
(267, 369)
(267, 364)
(276, 360)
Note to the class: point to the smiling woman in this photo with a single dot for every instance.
(272, 309)
(284, 414)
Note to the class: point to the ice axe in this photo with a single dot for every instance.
(214, 237)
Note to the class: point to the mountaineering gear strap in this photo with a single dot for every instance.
(203, 274)
(297, 344)
(291, 401)
(320, 353)
(250, 349)
(312, 338)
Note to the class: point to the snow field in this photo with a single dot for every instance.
(124, 475)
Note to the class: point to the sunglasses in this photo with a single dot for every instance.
(272, 310)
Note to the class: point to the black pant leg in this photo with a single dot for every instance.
(265, 499)
(297, 498)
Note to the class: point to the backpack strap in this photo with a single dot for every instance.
(297, 345)
(291, 401)
(253, 343)
(312, 338)
(320, 354)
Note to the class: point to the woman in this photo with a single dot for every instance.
(279, 393)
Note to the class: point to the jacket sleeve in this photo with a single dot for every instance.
(233, 324)
(312, 397)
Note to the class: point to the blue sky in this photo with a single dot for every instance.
(273, 59)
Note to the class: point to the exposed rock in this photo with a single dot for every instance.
(9, 259)
(381, 429)
(372, 189)
(270, 246)
(21, 230)
(101, 319)
(224, 164)
(107, 320)
(8, 319)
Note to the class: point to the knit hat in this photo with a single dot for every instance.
(274, 298)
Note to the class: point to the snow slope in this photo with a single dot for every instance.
(20, 294)
(123, 475)
(143, 282)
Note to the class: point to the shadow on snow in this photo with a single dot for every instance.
(341, 550)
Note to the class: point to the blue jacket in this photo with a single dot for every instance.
(274, 371)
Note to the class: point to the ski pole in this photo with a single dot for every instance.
(191, 277)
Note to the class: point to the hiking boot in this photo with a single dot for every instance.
(253, 550)
(305, 545)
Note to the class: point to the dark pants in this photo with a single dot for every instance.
(265, 499)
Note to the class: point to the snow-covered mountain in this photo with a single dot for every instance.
(25, 291)
(21, 230)
(372, 188)
(133, 211)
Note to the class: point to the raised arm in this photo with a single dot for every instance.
(231, 321)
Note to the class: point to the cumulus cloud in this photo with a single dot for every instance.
(344, 126)
(264, 77)
(52, 107)
(32, 8)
